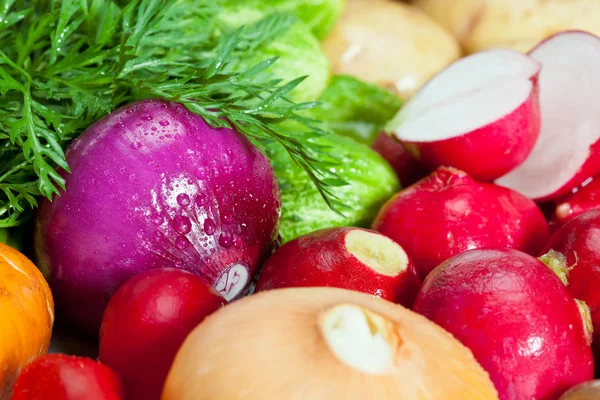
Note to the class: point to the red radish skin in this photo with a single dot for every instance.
(154, 186)
(146, 322)
(404, 164)
(584, 198)
(568, 149)
(481, 115)
(516, 316)
(448, 212)
(579, 242)
(62, 377)
(347, 258)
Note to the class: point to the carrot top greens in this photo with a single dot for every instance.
(66, 63)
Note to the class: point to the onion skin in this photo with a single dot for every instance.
(146, 322)
(152, 186)
(404, 164)
(516, 316)
(61, 377)
(322, 258)
(282, 354)
(578, 241)
(448, 212)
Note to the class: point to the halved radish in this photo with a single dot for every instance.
(568, 149)
(481, 115)
(348, 258)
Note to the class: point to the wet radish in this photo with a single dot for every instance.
(480, 114)
(516, 316)
(448, 212)
(578, 241)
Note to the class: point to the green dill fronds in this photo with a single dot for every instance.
(66, 63)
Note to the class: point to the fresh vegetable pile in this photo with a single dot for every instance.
(304, 199)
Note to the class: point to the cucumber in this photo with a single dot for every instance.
(371, 182)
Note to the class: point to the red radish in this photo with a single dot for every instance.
(154, 186)
(480, 114)
(579, 242)
(516, 316)
(585, 198)
(568, 150)
(448, 212)
(146, 322)
(62, 377)
(404, 164)
(347, 258)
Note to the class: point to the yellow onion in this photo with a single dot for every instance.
(323, 343)
(518, 25)
(390, 44)
(584, 391)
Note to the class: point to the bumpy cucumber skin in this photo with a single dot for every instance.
(371, 182)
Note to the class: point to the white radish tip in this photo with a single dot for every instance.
(563, 210)
(377, 252)
(471, 93)
(359, 338)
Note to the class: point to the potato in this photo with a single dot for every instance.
(585, 391)
(518, 25)
(390, 44)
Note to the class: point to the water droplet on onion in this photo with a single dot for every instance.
(209, 226)
(200, 200)
(157, 219)
(182, 225)
(225, 239)
(183, 200)
(181, 242)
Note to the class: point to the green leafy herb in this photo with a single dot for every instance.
(66, 63)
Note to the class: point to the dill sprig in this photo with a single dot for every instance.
(66, 63)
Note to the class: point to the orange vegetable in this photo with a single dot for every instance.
(26, 315)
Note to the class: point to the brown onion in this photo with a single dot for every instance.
(323, 343)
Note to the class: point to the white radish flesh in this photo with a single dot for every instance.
(565, 154)
(481, 114)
